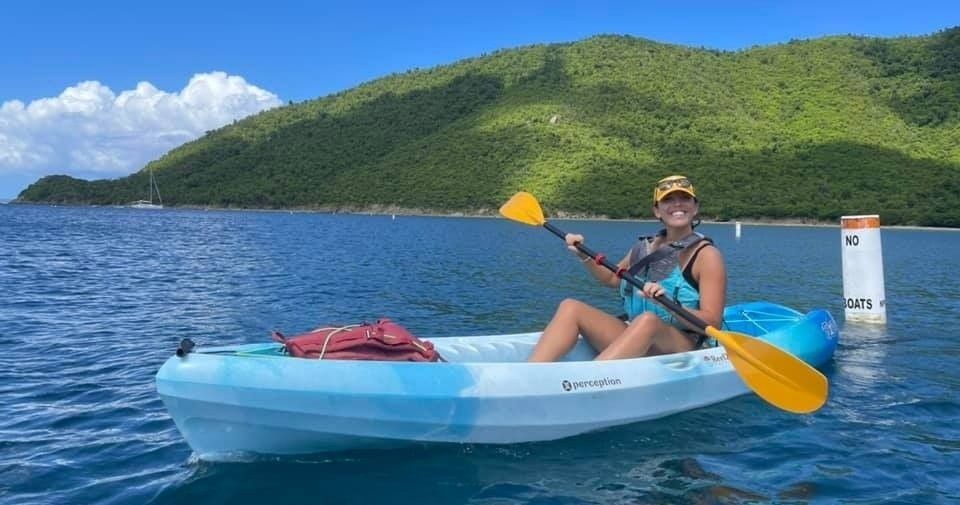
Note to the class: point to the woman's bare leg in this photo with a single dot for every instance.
(572, 319)
(646, 335)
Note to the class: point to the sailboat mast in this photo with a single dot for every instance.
(153, 183)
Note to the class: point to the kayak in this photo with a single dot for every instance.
(253, 398)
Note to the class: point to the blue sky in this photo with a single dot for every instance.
(96, 89)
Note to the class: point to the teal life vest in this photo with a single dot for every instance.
(662, 266)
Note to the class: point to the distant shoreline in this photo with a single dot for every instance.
(389, 210)
(559, 215)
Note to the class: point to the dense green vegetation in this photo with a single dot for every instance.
(809, 129)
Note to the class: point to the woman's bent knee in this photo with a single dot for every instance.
(570, 305)
(646, 319)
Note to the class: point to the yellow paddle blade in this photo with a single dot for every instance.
(525, 208)
(775, 375)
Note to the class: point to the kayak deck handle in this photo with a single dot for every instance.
(679, 362)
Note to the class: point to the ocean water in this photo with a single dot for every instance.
(93, 300)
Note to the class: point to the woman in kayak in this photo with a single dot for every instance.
(677, 262)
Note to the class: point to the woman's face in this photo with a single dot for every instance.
(676, 209)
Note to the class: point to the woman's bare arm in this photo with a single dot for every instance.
(711, 273)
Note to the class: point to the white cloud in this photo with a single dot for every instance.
(90, 130)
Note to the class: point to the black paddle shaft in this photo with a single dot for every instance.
(673, 306)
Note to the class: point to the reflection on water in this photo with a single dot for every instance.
(864, 349)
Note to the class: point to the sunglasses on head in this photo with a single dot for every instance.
(673, 184)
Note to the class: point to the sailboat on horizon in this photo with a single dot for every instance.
(148, 204)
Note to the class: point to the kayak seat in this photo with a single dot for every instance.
(506, 351)
(487, 352)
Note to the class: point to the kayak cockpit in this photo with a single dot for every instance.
(755, 319)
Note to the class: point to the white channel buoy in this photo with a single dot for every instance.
(736, 229)
(863, 292)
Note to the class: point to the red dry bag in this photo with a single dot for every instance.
(380, 341)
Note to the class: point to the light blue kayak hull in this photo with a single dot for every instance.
(253, 399)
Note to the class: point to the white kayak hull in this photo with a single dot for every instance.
(253, 399)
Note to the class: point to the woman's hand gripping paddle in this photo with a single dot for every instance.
(775, 375)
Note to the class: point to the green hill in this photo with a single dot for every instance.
(809, 129)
